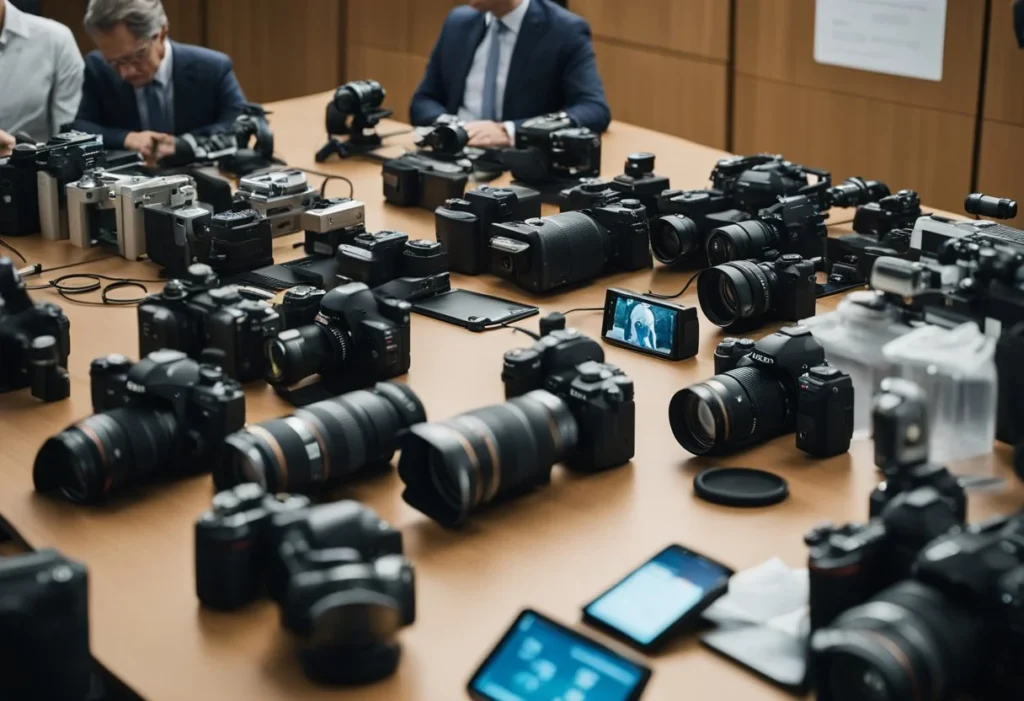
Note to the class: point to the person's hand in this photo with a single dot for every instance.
(151, 144)
(486, 134)
(6, 143)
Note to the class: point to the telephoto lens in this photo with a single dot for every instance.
(452, 468)
(323, 444)
(744, 293)
(740, 241)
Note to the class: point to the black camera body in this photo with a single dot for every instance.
(194, 315)
(824, 412)
(745, 294)
(44, 629)
(640, 182)
(588, 193)
(599, 395)
(299, 306)
(356, 340)
(792, 225)
(463, 225)
(897, 211)
(388, 259)
(543, 254)
(35, 340)
(336, 570)
(551, 153)
(417, 180)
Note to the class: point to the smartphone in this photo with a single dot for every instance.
(538, 659)
(648, 325)
(659, 598)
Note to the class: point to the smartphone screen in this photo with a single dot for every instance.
(642, 324)
(539, 660)
(650, 601)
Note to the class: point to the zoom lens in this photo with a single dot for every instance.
(452, 468)
(731, 411)
(910, 642)
(738, 292)
(296, 354)
(94, 458)
(322, 444)
(674, 238)
(740, 241)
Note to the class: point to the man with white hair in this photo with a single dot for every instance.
(141, 88)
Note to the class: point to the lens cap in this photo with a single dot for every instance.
(740, 486)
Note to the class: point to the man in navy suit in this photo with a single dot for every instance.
(500, 62)
(141, 88)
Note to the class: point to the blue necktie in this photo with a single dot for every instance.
(158, 121)
(489, 110)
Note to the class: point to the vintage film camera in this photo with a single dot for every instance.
(392, 265)
(165, 416)
(552, 153)
(436, 172)
(354, 110)
(744, 294)
(32, 181)
(638, 182)
(281, 196)
(463, 225)
(336, 570)
(914, 601)
(34, 340)
(763, 390)
(540, 255)
(356, 339)
(91, 199)
(230, 242)
(44, 629)
(194, 315)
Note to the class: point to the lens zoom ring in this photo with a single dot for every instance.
(576, 248)
(768, 404)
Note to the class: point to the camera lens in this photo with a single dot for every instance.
(95, 457)
(739, 241)
(454, 467)
(299, 353)
(673, 238)
(908, 642)
(320, 445)
(735, 292)
(572, 248)
(731, 411)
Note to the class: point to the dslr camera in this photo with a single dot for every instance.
(280, 196)
(32, 181)
(540, 255)
(914, 601)
(433, 174)
(552, 152)
(35, 341)
(898, 211)
(463, 225)
(392, 265)
(195, 315)
(638, 182)
(44, 629)
(744, 294)
(357, 339)
(336, 571)
(791, 225)
(165, 416)
(763, 390)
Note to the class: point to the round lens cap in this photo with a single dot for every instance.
(740, 486)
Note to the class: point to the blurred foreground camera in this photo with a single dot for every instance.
(764, 390)
(463, 225)
(746, 293)
(322, 445)
(44, 628)
(336, 570)
(165, 416)
(543, 254)
(34, 340)
(357, 339)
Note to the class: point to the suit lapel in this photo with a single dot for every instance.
(475, 36)
(535, 26)
(184, 77)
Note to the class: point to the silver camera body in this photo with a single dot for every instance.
(92, 207)
(53, 211)
(53, 218)
(933, 230)
(280, 196)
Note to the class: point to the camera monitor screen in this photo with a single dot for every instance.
(540, 660)
(647, 325)
(654, 599)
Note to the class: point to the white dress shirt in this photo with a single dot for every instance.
(165, 77)
(473, 98)
(40, 75)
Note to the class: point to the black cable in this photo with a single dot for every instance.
(14, 250)
(94, 284)
(326, 177)
(583, 309)
(680, 293)
(536, 336)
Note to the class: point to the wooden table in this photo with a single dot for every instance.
(553, 550)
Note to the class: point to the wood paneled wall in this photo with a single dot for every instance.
(910, 133)
(1000, 169)
(665, 63)
(186, 18)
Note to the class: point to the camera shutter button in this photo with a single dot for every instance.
(823, 372)
(745, 344)
(174, 289)
(623, 387)
(631, 204)
(210, 375)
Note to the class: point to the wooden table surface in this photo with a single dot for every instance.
(552, 550)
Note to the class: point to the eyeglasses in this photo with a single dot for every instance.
(135, 57)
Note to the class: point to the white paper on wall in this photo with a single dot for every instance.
(899, 37)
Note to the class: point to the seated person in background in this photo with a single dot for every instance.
(1018, 21)
(500, 62)
(141, 88)
(40, 76)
